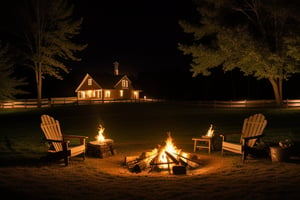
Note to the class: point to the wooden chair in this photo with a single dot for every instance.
(252, 131)
(59, 144)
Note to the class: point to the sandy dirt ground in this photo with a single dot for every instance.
(218, 177)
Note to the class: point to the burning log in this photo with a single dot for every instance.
(190, 162)
(179, 169)
(166, 157)
(137, 164)
(172, 158)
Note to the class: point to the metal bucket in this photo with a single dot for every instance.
(279, 154)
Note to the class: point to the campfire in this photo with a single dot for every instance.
(210, 132)
(101, 147)
(163, 158)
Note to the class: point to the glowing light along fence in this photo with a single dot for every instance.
(52, 102)
(60, 101)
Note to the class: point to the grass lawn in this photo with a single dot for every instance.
(145, 124)
(136, 128)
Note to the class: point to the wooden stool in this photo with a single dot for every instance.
(203, 139)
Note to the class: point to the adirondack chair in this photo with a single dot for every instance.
(252, 131)
(59, 144)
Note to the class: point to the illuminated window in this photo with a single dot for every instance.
(135, 94)
(107, 93)
(89, 93)
(90, 81)
(81, 95)
(124, 83)
(121, 93)
(98, 93)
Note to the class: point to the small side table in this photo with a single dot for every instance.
(203, 143)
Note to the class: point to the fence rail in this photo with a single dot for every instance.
(60, 101)
(243, 103)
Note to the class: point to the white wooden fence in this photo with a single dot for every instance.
(249, 103)
(59, 101)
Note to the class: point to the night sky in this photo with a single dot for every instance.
(143, 37)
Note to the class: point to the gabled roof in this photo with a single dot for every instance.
(84, 84)
(109, 81)
(122, 78)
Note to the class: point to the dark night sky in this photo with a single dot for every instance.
(142, 36)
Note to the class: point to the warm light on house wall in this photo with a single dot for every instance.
(107, 93)
(98, 93)
(89, 93)
(124, 83)
(90, 81)
(135, 94)
(81, 94)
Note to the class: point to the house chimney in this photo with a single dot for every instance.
(116, 68)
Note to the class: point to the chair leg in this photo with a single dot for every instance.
(66, 153)
(66, 160)
(244, 152)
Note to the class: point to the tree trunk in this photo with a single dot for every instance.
(38, 74)
(277, 89)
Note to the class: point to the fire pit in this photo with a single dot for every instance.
(163, 158)
(101, 147)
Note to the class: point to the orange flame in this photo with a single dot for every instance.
(100, 136)
(170, 148)
(210, 131)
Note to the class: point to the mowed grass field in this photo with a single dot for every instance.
(21, 138)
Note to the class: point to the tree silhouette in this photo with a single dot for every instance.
(260, 38)
(49, 38)
(9, 84)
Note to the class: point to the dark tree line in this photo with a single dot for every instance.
(47, 30)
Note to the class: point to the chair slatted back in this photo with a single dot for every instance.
(52, 131)
(253, 126)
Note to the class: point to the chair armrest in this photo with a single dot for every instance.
(252, 137)
(80, 137)
(223, 136)
(75, 136)
(61, 141)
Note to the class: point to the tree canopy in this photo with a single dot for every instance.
(10, 86)
(50, 31)
(260, 38)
